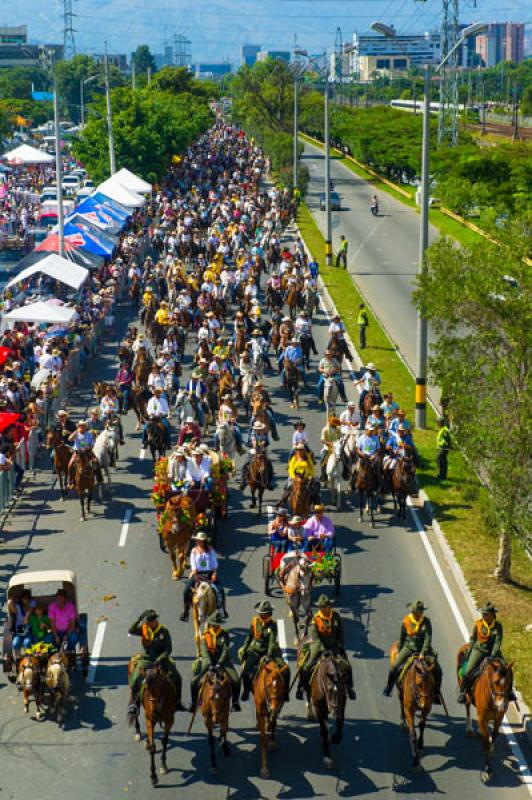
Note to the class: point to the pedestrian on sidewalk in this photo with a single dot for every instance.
(341, 256)
(362, 322)
(443, 443)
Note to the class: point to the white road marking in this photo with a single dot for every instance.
(142, 454)
(96, 650)
(524, 770)
(125, 528)
(281, 630)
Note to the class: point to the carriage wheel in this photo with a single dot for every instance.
(266, 573)
(338, 576)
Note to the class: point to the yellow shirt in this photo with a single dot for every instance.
(301, 467)
(162, 316)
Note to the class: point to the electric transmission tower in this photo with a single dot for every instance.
(69, 43)
(450, 34)
(182, 51)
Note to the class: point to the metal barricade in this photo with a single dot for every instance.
(7, 487)
(32, 448)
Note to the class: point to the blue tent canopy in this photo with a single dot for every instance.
(94, 244)
(106, 213)
(105, 201)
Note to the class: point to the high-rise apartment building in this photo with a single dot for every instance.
(503, 41)
(248, 54)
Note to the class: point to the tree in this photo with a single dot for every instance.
(478, 302)
(526, 103)
(143, 60)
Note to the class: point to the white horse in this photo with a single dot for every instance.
(246, 390)
(226, 440)
(349, 444)
(184, 407)
(330, 393)
(257, 365)
(104, 449)
(334, 469)
(203, 604)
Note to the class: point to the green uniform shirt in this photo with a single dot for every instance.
(491, 647)
(221, 655)
(333, 640)
(362, 318)
(262, 638)
(418, 642)
(161, 645)
(343, 246)
(443, 438)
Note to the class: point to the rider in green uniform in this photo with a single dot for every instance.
(415, 639)
(215, 649)
(326, 635)
(157, 649)
(485, 642)
(261, 642)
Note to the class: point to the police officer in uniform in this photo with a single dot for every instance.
(157, 649)
(485, 642)
(261, 642)
(215, 652)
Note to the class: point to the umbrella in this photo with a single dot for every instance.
(5, 353)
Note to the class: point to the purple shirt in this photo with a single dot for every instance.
(319, 528)
(62, 617)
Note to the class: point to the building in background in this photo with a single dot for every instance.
(381, 66)
(13, 34)
(115, 59)
(339, 64)
(214, 71)
(248, 54)
(280, 55)
(503, 41)
(418, 49)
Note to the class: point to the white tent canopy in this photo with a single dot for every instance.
(132, 182)
(113, 189)
(41, 312)
(25, 154)
(61, 269)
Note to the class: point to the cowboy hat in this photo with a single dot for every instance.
(264, 607)
(189, 420)
(201, 536)
(324, 601)
(319, 508)
(258, 425)
(204, 449)
(417, 605)
(281, 512)
(376, 407)
(83, 422)
(150, 615)
(62, 413)
(300, 446)
(295, 520)
(488, 608)
(197, 452)
(371, 366)
(256, 332)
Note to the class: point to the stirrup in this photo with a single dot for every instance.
(133, 709)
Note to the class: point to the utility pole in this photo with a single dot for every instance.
(422, 325)
(515, 112)
(133, 76)
(295, 153)
(149, 75)
(112, 161)
(69, 43)
(327, 137)
(483, 95)
(59, 173)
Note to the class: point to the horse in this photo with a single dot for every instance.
(156, 439)
(328, 698)
(58, 682)
(257, 365)
(269, 695)
(310, 301)
(291, 378)
(226, 440)
(300, 496)
(29, 679)
(186, 406)
(62, 455)
(139, 403)
(370, 400)
(103, 450)
(177, 530)
(305, 341)
(84, 479)
(158, 702)
(336, 346)
(240, 341)
(142, 370)
(330, 393)
(246, 390)
(416, 695)
(297, 583)
(258, 478)
(203, 604)
(366, 482)
(215, 703)
(490, 695)
(334, 470)
(401, 483)
(293, 300)
(134, 293)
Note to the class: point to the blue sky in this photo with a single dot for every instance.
(217, 28)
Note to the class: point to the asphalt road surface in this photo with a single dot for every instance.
(122, 571)
(383, 250)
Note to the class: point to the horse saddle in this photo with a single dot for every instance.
(404, 669)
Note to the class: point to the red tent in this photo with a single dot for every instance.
(8, 418)
(5, 353)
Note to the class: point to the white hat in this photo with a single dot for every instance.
(189, 419)
(371, 365)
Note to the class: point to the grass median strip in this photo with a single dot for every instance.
(457, 502)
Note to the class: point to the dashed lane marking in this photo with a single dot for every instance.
(283, 644)
(524, 769)
(142, 454)
(125, 528)
(96, 651)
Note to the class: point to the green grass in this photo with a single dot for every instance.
(457, 502)
(447, 226)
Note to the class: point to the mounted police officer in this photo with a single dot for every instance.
(261, 642)
(157, 649)
(326, 636)
(215, 653)
(415, 638)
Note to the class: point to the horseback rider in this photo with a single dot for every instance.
(158, 409)
(64, 426)
(294, 354)
(302, 464)
(203, 567)
(327, 636)
(110, 410)
(371, 380)
(215, 653)
(415, 639)
(330, 434)
(261, 642)
(82, 442)
(337, 329)
(485, 642)
(258, 441)
(156, 649)
(330, 367)
(369, 446)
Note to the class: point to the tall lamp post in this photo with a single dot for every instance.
(82, 84)
(422, 325)
(112, 160)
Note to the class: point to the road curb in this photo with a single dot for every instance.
(523, 717)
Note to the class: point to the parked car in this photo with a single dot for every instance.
(336, 203)
(70, 184)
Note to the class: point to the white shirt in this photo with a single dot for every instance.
(159, 406)
(349, 420)
(201, 561)
(197, 472)
(155, 380)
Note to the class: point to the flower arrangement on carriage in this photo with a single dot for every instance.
(161, 487)
(220, 476)
(324, 567)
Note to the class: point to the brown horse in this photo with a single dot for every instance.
(416, 695)
(291, 378)
(142, 370)
(370, 400)
(62, 455)
(225, 385)
(402, 483)
(365, 480)
(269, 692)
(84, 479)
(258, 478)
(275, 337)
(328, 695)
(490, 696)
(29, 678)
(215, 702)
(240, 341)
(293, 300)
(177, 530)
(300, 496)
(58, 683)
(158, 702)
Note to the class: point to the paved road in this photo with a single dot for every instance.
(383, 250)
(95, 756)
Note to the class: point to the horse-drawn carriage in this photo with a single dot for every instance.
(325, 567)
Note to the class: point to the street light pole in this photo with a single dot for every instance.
(112, 161)
(59, 173)
(295, 154)
(82, 103)
(422, 325)
(328, 238)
